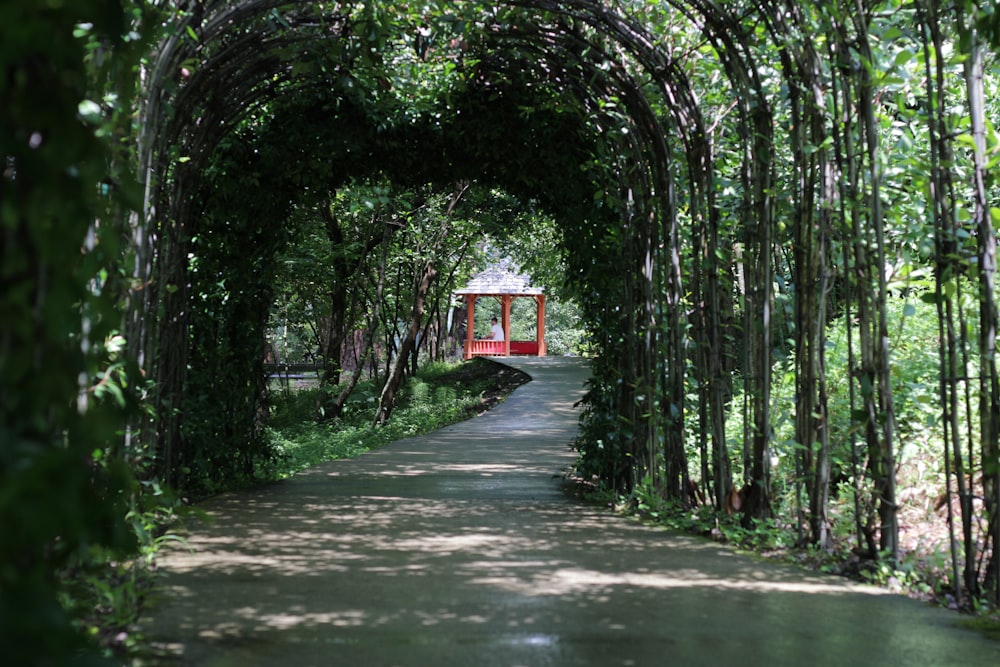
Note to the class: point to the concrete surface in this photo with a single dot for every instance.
(463, 548)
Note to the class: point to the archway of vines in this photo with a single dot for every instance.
(518, 106)
(727, 193)
(777, 218)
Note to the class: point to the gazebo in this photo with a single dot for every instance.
(504, 285)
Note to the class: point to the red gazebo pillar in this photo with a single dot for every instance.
(505, 322)
(540, 337)
(470, 324)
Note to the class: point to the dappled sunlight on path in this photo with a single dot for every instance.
(463, 548)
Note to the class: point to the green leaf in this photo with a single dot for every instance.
(903, 58)
(90, 111)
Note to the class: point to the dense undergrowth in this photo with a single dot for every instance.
(104, 592)
(923, 566)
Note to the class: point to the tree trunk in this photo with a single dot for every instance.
(335, 334)
(388, 397)
(989, 384)
(948, 270)
(814, 194)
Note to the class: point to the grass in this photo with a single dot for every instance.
(988, 626)
(439, 395)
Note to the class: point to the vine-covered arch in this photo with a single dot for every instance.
(741, 186)
(309, 68)
(675, 201)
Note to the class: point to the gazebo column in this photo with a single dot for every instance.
(470, 324)
(505, 300)
(540, 337)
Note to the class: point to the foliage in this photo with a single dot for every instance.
(761, 536)
(921, 569)
(989, 625)
(104, 593)
(710, 189)
(915, 384)
(439, 395)
(222, 436)
(64, 485)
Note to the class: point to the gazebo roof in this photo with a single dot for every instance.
(500, 279)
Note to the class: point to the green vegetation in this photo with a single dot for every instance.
(988, 625)
(65, 484)
(771, 222)
(105, 592)
(440, 394)
(921, 566)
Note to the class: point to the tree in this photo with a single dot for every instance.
(429, 233)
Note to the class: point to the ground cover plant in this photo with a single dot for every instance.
(438, 395)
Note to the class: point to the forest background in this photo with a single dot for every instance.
(771, 224)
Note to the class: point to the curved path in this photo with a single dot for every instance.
(462, 548)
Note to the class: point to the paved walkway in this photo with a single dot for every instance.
(462, 548)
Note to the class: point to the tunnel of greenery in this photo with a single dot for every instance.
(757, 207)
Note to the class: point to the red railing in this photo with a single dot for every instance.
(497, 348)
(487, 348)
(529, 347)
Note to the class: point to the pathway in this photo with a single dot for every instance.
(462, 548)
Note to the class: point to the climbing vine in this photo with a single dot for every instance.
(730, 232)
(731, 182)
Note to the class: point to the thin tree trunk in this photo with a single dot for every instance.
(387, 399)
(336, 407)
(737, 54)
(947, 272)
(336, 332)
(422, 288)
(989, 384)
(846, 155)
(814, 200)
(888, 507)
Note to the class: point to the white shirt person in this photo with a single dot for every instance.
(496, 331)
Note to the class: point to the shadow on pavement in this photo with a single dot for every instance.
(462, 548)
